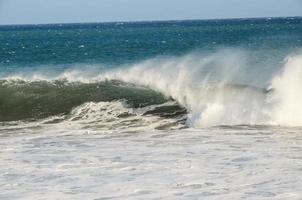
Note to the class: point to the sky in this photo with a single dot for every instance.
(74, 11)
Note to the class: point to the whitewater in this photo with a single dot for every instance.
(131, 111)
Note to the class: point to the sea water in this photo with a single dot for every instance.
(152, 110)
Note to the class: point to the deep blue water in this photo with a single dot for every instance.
(119, 43)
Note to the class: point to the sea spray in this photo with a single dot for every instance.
(286, 98)
(204, 84)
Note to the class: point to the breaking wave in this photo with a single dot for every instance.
(187, 91)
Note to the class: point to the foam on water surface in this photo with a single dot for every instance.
(216, 163)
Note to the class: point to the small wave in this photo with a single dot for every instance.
(118, 115)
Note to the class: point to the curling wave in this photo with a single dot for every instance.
(206, 90)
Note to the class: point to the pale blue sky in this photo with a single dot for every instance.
(66, 11)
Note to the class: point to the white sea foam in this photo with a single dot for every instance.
(116, 116)
(214, 163)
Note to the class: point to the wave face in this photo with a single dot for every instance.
(32, 100)
(198, 90)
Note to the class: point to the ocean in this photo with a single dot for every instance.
(195, 109)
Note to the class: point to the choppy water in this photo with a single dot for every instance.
(154, 110)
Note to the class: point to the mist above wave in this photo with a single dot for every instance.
(210, 88)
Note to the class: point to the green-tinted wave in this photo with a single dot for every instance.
(22, 100)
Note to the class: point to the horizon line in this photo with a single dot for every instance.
(148, 21)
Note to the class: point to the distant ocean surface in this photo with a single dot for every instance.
(201, 109)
